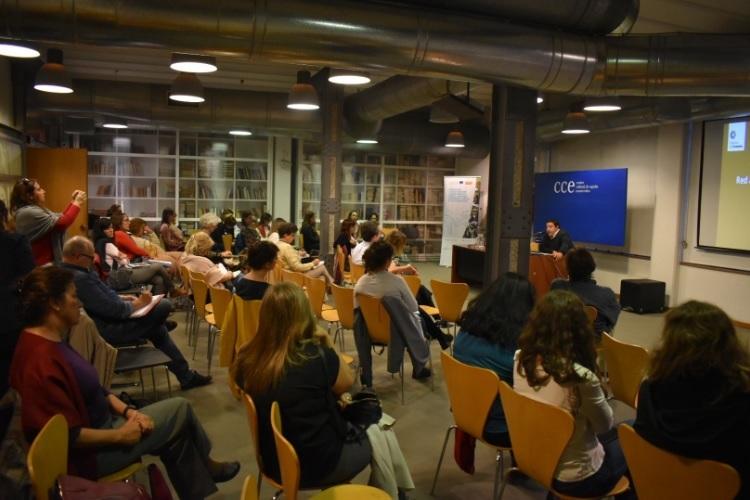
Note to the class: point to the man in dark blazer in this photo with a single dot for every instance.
(555, 241)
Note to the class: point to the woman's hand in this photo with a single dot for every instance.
(130, 432)
(79, 197)
(146, 422)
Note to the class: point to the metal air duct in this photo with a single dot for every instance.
(412, 41)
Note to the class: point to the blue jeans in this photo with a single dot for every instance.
(603, 480)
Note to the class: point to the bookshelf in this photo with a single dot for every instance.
(146, 171)
(406, 191)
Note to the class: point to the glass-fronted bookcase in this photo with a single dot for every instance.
(146, 171)
(405, 191)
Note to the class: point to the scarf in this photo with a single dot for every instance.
(35, 222)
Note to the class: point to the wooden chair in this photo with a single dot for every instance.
(539, 433)
(591, 313)
(344, 300)
(626, 367)
(351, 492)
(659, 474)
(249, 488)
(413, 282)
(346, 277)
(293, 277)
(248, 317)
(277, 276)
(471, 392)
(48, 459)
(357, 270)
(227, 240)
(316, 293)
(190, 304)
(200, 296)
(252, 421)
(220, 298)
(449, 299)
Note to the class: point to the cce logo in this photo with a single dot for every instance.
(564, 187)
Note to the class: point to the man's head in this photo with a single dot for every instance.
(369, 231)
(580, 264)
(79, 251)
(287, 232)
(378, 257)
(552, 227)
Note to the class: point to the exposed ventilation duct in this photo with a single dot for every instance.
(412, 41)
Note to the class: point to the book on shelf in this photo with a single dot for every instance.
(104, 190)
(100, 167)
(251, 173)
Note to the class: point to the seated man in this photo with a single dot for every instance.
(581, 266)
(370, 234)
(111, 313)
(290, 259)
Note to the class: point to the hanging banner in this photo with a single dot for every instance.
(460, 214)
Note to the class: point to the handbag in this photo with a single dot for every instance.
(78, 488)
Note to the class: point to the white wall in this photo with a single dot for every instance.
(657, 211)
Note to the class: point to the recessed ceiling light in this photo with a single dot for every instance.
(186, 88)
(193, 63)
(240, 132)
(455, 139)
(52, 76)
(15, 49)
(348, 77)
(303, 96)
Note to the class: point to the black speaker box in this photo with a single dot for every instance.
(642, 296)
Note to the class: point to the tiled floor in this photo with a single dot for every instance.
(421, 425)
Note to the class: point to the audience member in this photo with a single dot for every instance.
(292, 361)
(289, 256)
(144, 237)
(274, 236)
(490, 327)
(225, 227)
(105, 434)
(264, 225)
(354, 217)
(374, 218)
(207, 223)
(581, 266)
(556, 363)
(44, 228)
(196, 259)
(124, 241)
(171, 236)
(248, 235)
(310, 236)
(347, 242)
(261, 259)
(370, 234)
(695, 401)
(113, 209)
(400, 263)
(112, 313)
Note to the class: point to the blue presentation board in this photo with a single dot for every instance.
(591, 205)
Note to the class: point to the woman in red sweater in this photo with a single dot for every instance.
(44, 228)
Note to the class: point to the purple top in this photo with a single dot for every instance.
(94, 395)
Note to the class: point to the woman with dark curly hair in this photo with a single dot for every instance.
(556, 364)
(489, 333)
(696, 399)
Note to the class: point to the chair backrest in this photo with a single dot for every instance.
(413, 282)
(659, 474)
(316, 293)
(48, 456)
(344, 300)
(248, 317)
(250, 488)
(449, 298)
(626, 366)
(227, 240)
(358, 270)
(185, 275)
(220, 298)
(200, 294)
(377, 319)
(252, 421)
(591, 313)
(288, 461)
(277, 276)
(471, 391)
(539, 433)
(293, 277)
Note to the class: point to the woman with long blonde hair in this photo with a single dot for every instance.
(292, 362)
(198, 248)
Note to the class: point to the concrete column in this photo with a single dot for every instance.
(282, 179)
(332, 106)
(510, 182)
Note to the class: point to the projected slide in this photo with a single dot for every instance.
(591, 205)
(725, 185)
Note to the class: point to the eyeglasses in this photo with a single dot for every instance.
(86, 255)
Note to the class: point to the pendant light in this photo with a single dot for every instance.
(13, 48)
(114, 123)
(575, 122)
(240, 132)
(53, 77)
(539, 98)
(193, 63)
(602, 104)
(348, 77)
(367, 140)
(186, 87)
(303, 96)
(455, 139)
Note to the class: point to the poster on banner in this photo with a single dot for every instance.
(460, 214)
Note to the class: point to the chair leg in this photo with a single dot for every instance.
(440, 460)
(195, 336)
(278, 494)
(143, 389)
(498, 471)
(153, 384)
(402, 383)
(504, 483)
(169, 382)
(212, 333)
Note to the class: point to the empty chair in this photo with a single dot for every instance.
(449, 299)
(626, 367)
(658, 474)
(471, 392)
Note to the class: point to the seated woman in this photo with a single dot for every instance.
(111, 259)
(488, 338)
(695, 401)
(581, 266)
(145, 238)
(249, 234)
(556, 364)
(106, 435)
(195, 259)
(347, 242)
(292, 362)
(273, 236)
(261, 259)
(310, 236)
(400, 265)
(174, 240)
(290, 257)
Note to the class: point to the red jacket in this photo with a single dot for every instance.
(42, 248)
(128, 246)
(47, 386)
